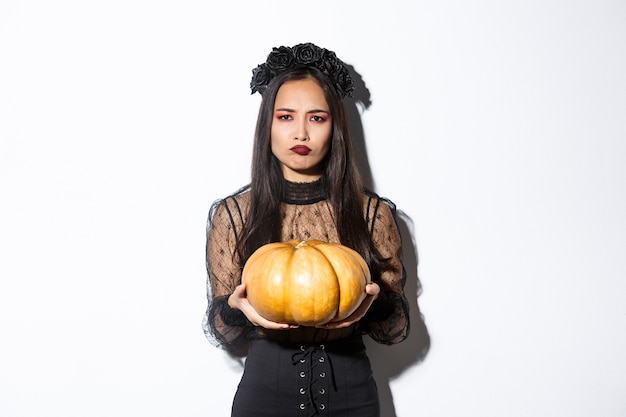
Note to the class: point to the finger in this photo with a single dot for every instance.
(274, 326)
(372, 288)
(338, 324)
(261, 321)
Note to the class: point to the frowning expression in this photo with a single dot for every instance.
(301, 129)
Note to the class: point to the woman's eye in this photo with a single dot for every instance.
(318, 119)
(284, 117)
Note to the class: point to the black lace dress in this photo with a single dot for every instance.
(304, 371)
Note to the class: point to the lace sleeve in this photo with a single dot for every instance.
(387, 321)
(225, 327)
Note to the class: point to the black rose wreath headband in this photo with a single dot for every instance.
(285, 58)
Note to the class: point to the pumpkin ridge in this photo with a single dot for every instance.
(320, 246)
(314, 264)
(271, 288)
(349, 266)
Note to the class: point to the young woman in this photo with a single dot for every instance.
(304, 185)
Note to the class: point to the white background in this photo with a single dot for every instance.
(498, 129)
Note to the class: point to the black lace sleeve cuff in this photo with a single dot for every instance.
(387, 319)
(382, 308)
(230, 316)
(226, 327)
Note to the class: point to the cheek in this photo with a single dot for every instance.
(277, 144)
(273, 146)
(277, 134)
(327, 142)
(325, 149)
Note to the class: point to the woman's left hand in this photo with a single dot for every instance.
(372, 290)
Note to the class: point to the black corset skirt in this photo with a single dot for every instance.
(332, 379)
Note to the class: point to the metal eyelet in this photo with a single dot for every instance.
(323, 374)
(321, 359)
(302, 374)
(322, 406)
(302, 391)
(322, 391)
(302, 406)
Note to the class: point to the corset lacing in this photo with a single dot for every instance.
(316, 375)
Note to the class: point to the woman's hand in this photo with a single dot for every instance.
(239, 300)
(372, 290)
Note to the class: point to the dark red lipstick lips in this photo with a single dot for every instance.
(301, 149)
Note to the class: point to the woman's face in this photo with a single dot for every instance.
(301, 129)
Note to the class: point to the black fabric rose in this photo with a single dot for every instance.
(329, 63)
(280, 59)
(261, 76)
(344, 81)
(307, 53)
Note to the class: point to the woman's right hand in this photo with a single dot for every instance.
(239, 300)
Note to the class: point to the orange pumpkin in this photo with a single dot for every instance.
(307, 282)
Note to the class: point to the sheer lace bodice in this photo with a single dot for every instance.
(306, 215)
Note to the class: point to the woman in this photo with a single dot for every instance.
(304, 185)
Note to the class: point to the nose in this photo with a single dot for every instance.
(301, 132)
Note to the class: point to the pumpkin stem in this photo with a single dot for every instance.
(303, 243)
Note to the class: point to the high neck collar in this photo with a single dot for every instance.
(304, 192)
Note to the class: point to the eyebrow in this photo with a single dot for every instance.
(309, 111)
